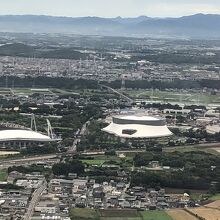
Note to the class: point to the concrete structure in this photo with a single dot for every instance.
(18, 138)
(132, 126)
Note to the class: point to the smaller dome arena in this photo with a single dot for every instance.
(132, 126)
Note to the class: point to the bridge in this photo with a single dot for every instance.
(118, 93)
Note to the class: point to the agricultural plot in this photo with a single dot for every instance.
(94, 162)
(116, 214)
(155, 215)
(5, 91)
(3, 175)
(120, 218)
(215, 204)
(180, 215)
(215, 197)
(84, 214)
(166, 96)
(206, 213)
(119, 214)
(100, 160)
(185, 149)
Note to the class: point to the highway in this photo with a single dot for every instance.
(118, 93)
(35, 198)
(5, 163)
(82, 132)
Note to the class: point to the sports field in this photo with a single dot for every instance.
(174, 96)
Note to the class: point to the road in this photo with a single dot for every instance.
(21, 161)
(35, 198)
(82, 132)
(118, 93)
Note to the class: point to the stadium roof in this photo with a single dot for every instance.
(22, 135)
(132, 126)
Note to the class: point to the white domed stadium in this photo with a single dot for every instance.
(16, 136)
(134, 126)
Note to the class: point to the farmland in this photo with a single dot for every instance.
(215, 197)
(206, 213)
(100, 160)
(180, 215)
(3, 175)
(172, 96)
(91, 214)
(155, 215)
(215, 204)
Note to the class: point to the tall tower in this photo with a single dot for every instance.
(33, 123)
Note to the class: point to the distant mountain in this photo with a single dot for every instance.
(131, 20)
(194, 26)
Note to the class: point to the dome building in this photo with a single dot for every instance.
(134, 126)
(14, 136)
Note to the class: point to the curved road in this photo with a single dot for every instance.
(35, 198)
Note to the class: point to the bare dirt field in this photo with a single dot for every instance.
(215, 204)
(179, 214)
(207, 213)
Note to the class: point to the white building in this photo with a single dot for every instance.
(133, 126)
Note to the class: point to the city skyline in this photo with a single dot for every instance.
(113, 8)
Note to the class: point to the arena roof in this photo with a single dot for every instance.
(137, 117)
(131, 126)
(23, 135)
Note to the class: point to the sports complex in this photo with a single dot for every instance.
(138, 126)
(13, 136)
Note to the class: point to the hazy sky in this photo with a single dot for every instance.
(110, 8)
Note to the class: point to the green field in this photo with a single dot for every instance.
(189, 149)
(94, 162)
(83, 214)
(117, 214)
(172, 96)
(215, 197)
(100, 160)
(155, 215)
(3, 175)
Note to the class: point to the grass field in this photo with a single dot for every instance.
(100, 160)
(215, 197)
(155, 215)
(3, 175)
(180, 215)
(116, 214)
(90, 214)
(94, 162)
(170, 96)
(120, 218)
(191, 148)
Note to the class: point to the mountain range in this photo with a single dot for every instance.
(200, 26)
